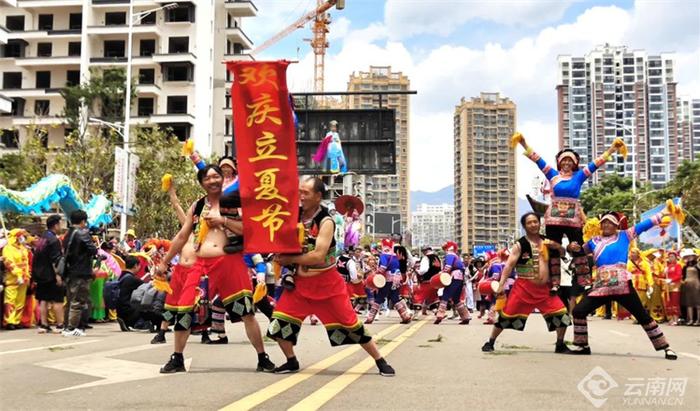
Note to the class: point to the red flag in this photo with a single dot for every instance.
(267, 156)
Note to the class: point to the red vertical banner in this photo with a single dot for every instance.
(267, 156)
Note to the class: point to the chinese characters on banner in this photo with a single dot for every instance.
(267, 156)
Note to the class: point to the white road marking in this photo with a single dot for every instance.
(109, 370)
(621, 334)
(11, 341)
(687, 354)
(48, 347)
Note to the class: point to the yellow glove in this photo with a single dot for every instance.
(516, 139)
(166, 182)
(188, 148)
(260, 292)
(621, 146)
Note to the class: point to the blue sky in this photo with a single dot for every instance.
(455, 48)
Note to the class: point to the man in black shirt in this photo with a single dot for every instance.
(49, 285)
(128, 282)
(80, 253)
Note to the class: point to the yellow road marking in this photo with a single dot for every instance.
(281, 386)
(324, 394)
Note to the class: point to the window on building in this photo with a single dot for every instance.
(43, 79)
(14, 49)
(114, 48)
(41, 107)
(43, 49)
(117, 18)
(149, 19)
(74, 48)
(12, 80)
(72, 78)
(45, 22)
(9, 138)
(147, 47)
(181, 131)
(184, 13)
(14, 23)
(75, 21)
(145, 106)
(147, 76)
(178, 45)
(177, 104)
(178, 72)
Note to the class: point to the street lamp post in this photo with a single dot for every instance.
(127, 104)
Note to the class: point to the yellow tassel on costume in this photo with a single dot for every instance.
(301, 234)
(161, 285)
(260, 292)
(188, 148)
(621, 146)
(516, 139)
(500, 303)
(203, 231)
(166, 182)
(591, 228)
(544, 250)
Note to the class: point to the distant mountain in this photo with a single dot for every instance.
(444, 196)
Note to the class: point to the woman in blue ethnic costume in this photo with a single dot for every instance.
(453, 265)
(613, 281)
(564, 216)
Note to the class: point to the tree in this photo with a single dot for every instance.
(103, 96)
(159, 152)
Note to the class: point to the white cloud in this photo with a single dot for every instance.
(406, 18)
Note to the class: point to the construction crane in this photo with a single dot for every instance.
(319, 43)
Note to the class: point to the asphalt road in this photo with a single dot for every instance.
(438, 367)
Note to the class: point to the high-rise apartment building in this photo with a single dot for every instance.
(615, 92)
(684, 108)
(176, 61)
(432, 225)
(388, 193)
(695, 132)
(485, 170)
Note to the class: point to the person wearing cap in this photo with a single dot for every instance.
(130, 244)
(426, 296)
(564, 216)
(674, 274)
(18, 276)
(690, 290)
(613, 281)
(453, 265)
(330, 151)
(530, 290)
(389, 267)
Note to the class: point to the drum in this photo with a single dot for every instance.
(487, 287)
(375, 281)
(440, 280)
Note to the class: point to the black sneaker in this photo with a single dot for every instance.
(174, 365)
(122, 325)
(288, 282)
(562, 348)
(583, 351)
(385, 370)
(669, 354)
(158, 339)
(220, 340)
(205, 338)
(290, 367)
(487, 347)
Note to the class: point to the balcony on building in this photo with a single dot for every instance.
(116, 4)
(236, 35)
(241, 8)
(114, 53)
